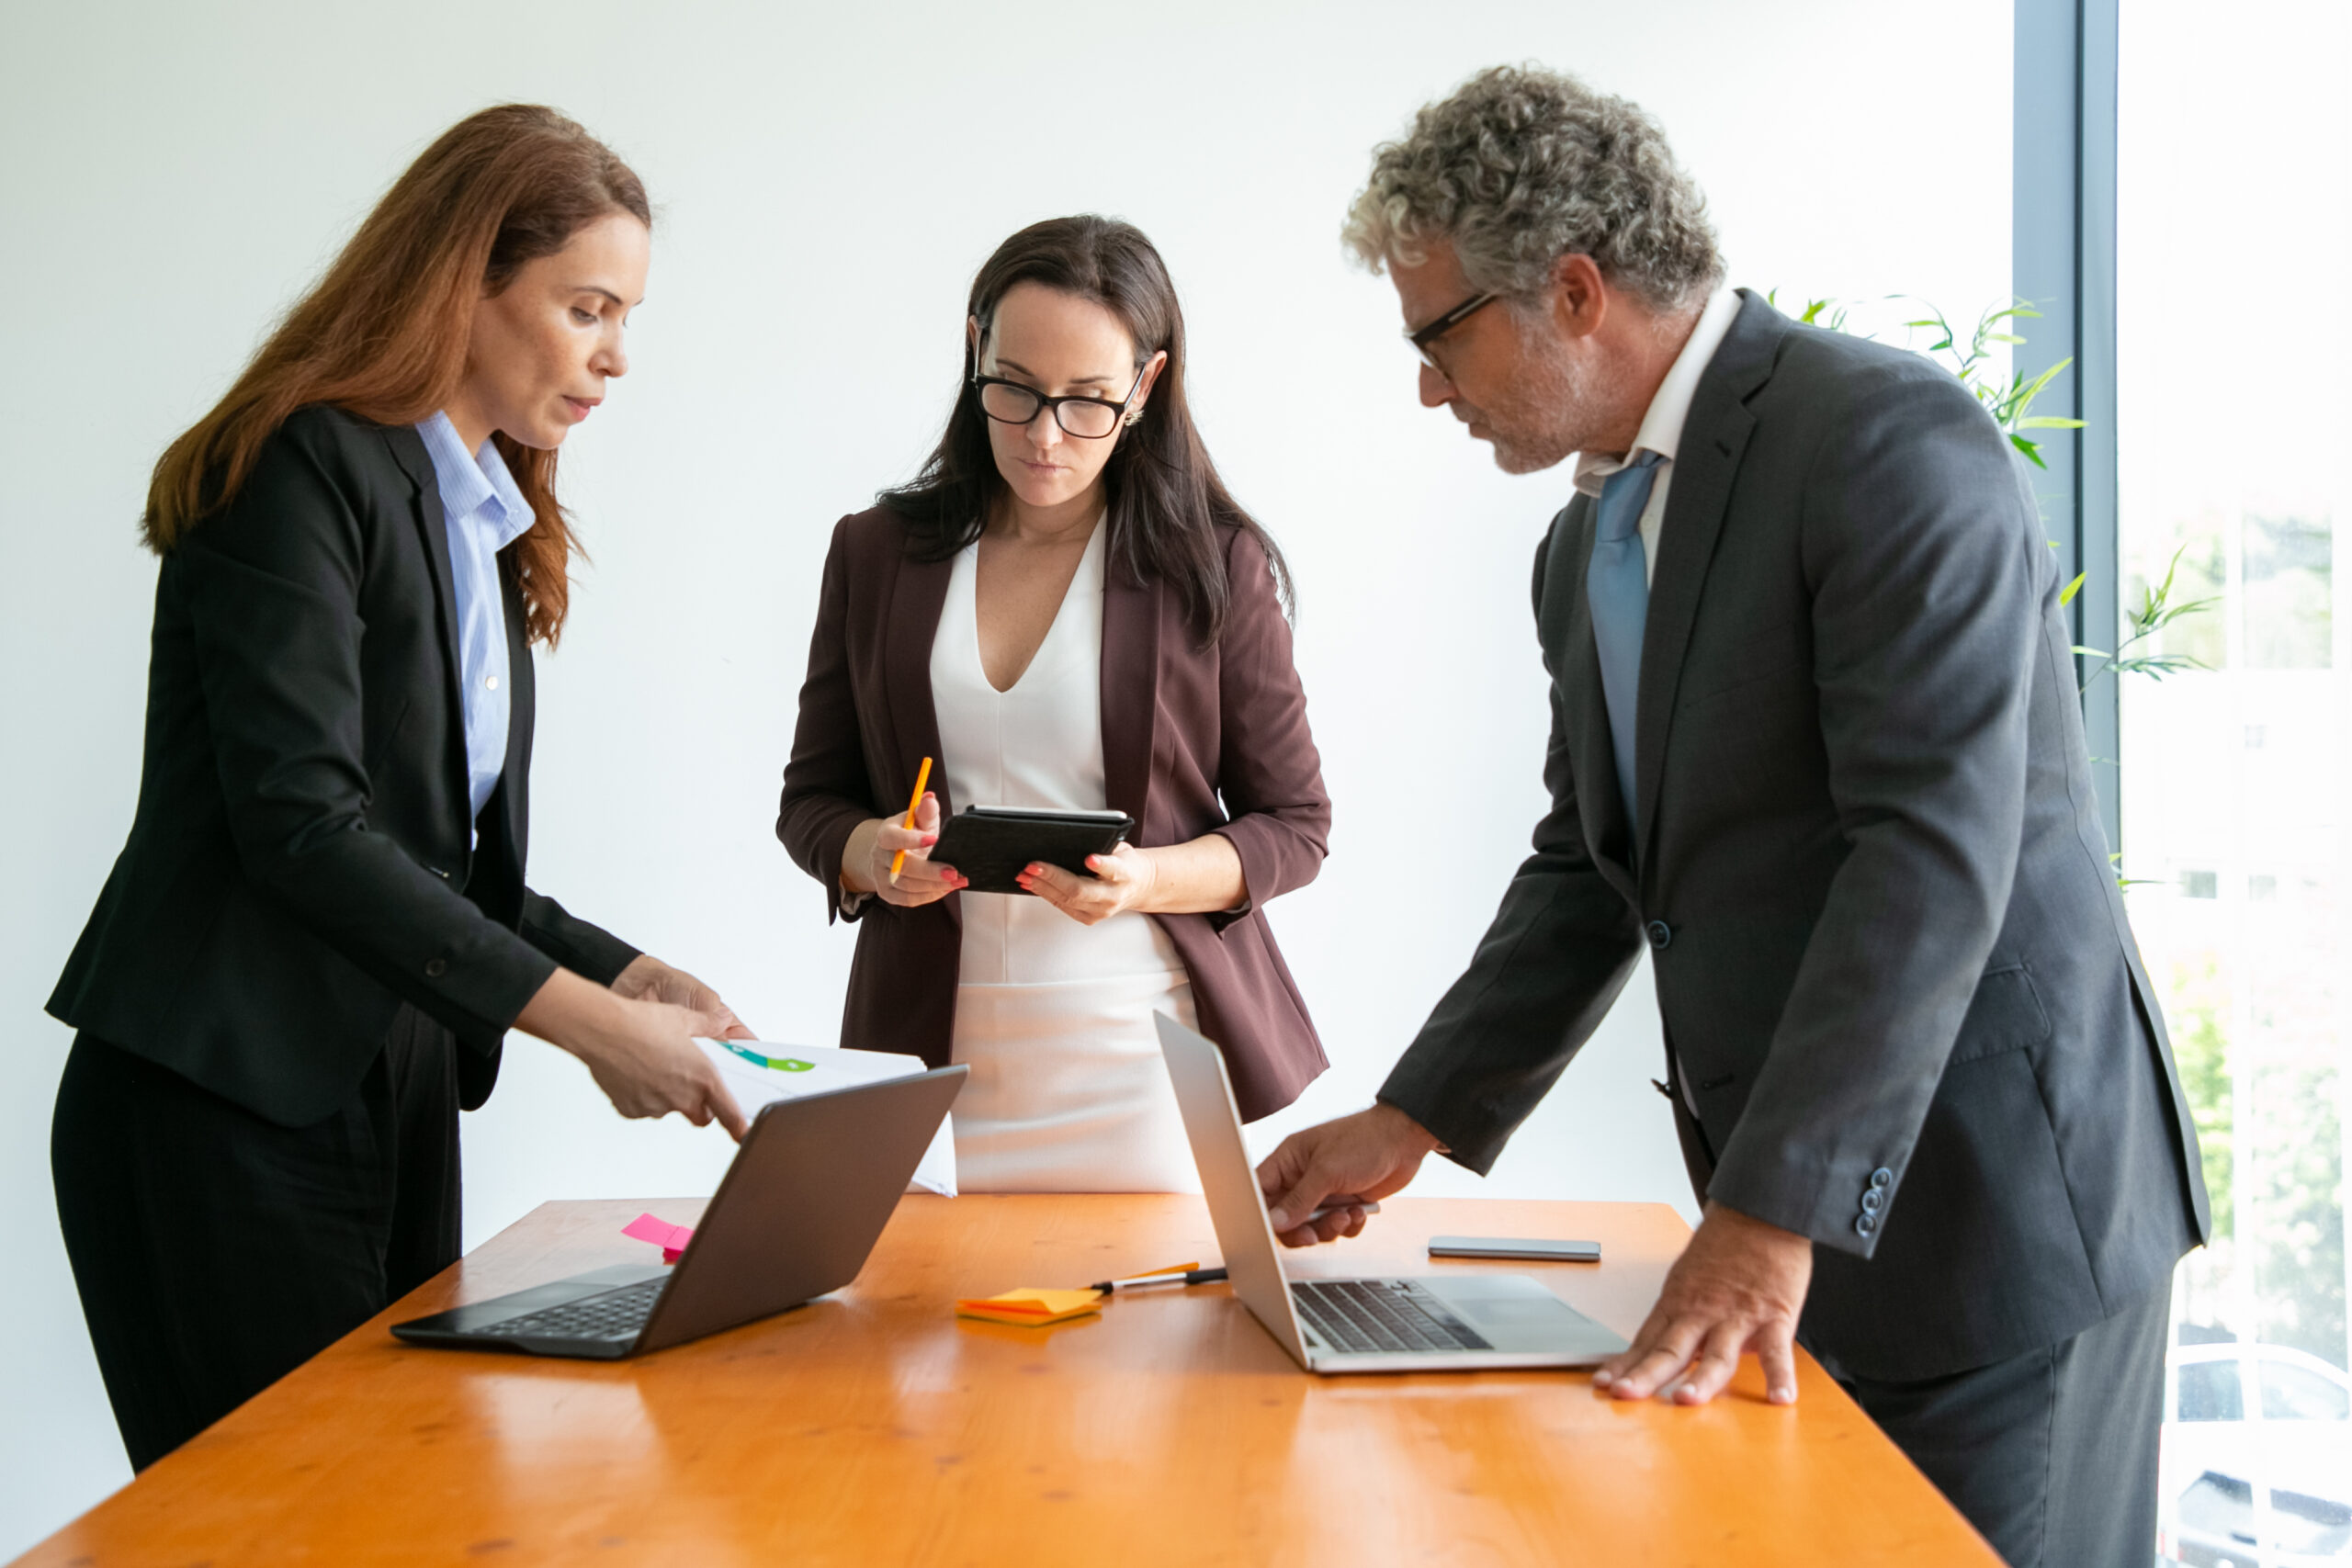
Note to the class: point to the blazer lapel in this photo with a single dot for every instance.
(1132, 632)
(433, 528)
(1584, 711)
(522, 698)
(1713, 436)
(918, 595)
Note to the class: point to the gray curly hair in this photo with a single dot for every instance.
(1522, 166)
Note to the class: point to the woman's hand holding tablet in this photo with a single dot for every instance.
(875, 844)
(994, 848)
(1125, 879)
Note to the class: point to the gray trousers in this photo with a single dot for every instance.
(2052, 1455)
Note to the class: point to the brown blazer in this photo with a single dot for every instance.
(1183, 728)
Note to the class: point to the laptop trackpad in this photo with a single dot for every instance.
(1514, 1312)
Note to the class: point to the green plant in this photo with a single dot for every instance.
(2202, 1057)
(2298, 1257)
(2155, 611)
(2008, 396)
(2009, 399)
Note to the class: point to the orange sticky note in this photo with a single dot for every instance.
(1029, 1306)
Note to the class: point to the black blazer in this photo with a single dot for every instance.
(299, 863)
(1889, 949)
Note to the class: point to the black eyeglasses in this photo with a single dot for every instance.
(1089, 419)
(1423, 337)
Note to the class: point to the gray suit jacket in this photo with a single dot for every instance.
(1889, 948)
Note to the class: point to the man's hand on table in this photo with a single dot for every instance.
(1738, 1286)
(1366, 1156)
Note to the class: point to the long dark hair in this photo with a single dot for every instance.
(383, 335)
(1166, 502)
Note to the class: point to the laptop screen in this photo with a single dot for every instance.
(1213, 1125)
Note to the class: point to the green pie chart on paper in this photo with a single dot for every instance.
(777, 1064)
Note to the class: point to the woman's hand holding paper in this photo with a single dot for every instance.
(640, 1050)
(648, 979)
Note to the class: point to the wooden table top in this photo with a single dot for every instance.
(872, 1427)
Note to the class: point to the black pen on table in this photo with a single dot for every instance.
(1209, 1276)
(1188, 1277)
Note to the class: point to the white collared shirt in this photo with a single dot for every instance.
(484, 512)
(1661, 429)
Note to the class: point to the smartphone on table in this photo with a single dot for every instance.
(1535, 1247)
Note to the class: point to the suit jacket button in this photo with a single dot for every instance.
(1873, 1200)
(1661, 934)
(436, 967)
(1867, 1224)
(1881, 1177)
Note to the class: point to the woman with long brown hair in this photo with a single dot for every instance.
(1069, 610)
(318, 932)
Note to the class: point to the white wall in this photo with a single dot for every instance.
(829, 179)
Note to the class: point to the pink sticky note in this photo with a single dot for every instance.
(671, 1239)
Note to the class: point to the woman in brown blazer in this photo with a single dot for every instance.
(1066, 609)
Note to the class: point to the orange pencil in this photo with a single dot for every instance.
(922, 777)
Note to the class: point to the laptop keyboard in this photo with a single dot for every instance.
(1380, 1315)
(615, 1315)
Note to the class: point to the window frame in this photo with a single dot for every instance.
(2062, 209)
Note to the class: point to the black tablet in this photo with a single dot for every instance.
(991, 844)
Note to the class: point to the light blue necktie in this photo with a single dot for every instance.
(1617, 587)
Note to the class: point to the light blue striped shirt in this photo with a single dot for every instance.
(485, 511)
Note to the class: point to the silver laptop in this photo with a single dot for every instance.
(1411, 1324)
(814, 1182)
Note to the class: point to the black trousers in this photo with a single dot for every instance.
(216, 1251)
(2052, 1455)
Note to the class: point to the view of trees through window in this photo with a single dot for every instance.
(2235, 144)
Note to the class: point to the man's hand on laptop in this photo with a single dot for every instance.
(1738, 1286)
(1366, 1156)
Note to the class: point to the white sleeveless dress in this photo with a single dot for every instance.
(1067, 1092)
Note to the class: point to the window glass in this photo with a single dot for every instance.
(2220, 1505)
(2290, 1392)
(2209, 1392)
(2235, 777)
(2301, 1523)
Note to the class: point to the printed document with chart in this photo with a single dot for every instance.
(757, 1073)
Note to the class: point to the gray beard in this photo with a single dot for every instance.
(1554, 412)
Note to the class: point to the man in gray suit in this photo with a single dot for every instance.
(1815, 743)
